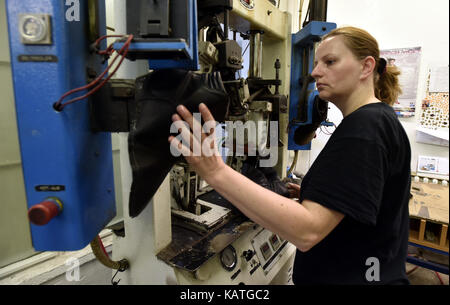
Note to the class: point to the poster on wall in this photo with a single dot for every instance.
(434, 120)
(407, 60)
(435, 111)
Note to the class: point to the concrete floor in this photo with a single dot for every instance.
(94, 273)
(422, 276)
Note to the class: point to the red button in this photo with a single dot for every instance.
(41, 213)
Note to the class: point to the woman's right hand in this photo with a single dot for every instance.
(294, 190)
(207, 162)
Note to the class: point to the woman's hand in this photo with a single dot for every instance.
(198, 147)
(294, 190)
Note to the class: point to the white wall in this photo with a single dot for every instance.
(398, 24)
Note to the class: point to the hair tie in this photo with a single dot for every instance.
(382, 66)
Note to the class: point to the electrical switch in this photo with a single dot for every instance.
(40, 214)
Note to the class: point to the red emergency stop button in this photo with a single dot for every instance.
(40, 214)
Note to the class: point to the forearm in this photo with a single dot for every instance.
(279, 214)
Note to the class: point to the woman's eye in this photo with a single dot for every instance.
(330, 62)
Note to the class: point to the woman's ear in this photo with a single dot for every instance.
(368, 67)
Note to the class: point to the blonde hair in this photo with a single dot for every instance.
(362, 44)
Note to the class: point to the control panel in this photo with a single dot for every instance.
(257, 257)
(268, 247)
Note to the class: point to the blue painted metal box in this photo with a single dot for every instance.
(61, 157)
(187, 46)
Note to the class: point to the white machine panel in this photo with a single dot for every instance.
(268, 247)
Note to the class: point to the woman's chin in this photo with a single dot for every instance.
(323, 95)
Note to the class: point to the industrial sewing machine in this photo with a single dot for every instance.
(187, 233)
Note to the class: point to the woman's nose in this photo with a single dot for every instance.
(316, 72)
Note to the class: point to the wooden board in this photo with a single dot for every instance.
(429, 202)
(428, 210)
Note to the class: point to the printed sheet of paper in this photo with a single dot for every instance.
(407, 60)
(438, 80)
(430, 136)
(432, 165)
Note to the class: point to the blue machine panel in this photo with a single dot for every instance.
(189, 48)
(301, 41)
(61, 158)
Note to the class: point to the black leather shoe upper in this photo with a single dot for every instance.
(157, 96)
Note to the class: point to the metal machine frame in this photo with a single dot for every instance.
(190, 260)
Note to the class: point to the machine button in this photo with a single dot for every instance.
(40, 214)
(265, 250)
(275, 242)
(35, 29)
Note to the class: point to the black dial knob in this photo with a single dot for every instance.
(248, 255)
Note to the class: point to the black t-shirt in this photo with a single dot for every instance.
(363, 172)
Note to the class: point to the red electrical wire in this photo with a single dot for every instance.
(108, 51)
(106, 36)
(93, 83)
(100, 52)
(124, 49)
(102, 246)
(122, 52)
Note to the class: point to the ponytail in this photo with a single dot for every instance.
(387, 86)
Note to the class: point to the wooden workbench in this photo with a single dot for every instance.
(429, 213)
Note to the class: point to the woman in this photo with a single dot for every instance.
(352, 224)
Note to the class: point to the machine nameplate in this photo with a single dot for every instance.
(50, 188)
(37, 58)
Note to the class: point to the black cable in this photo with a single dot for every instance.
(246, 48)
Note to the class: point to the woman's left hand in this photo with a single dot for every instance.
(198, 144)
(294, 190)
